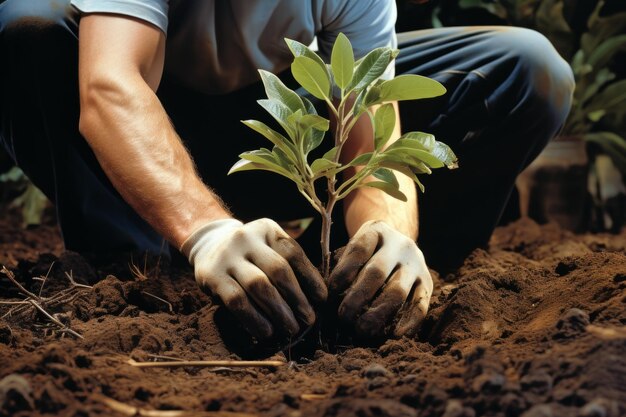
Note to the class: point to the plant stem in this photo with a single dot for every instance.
(325, 238)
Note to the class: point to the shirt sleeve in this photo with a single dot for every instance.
(151, 11)
(368, 24)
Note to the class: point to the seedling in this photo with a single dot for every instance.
(351, 89)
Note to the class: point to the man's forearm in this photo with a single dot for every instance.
(145, 160)
(367, 203)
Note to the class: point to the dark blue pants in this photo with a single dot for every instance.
(508, 94)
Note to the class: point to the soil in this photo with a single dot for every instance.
(534, 327)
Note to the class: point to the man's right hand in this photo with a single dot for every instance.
(260, 273)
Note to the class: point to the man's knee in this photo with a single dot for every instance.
(548, 81)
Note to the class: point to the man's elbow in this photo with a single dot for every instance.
(99, 100)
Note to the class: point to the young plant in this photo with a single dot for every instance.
(350, 89)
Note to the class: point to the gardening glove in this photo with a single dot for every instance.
(260, 274)
(382, 282)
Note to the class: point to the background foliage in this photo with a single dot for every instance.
(591, 36)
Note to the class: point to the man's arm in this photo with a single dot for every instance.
(382, 277)
(367, 203)
(258, 271)
(120, 67)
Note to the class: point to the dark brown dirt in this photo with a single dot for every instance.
(533, 327)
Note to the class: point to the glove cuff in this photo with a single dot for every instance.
(206, 236)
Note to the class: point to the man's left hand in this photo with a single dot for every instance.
(382, 280)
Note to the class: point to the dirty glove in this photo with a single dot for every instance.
(260, 273)
(382, 282)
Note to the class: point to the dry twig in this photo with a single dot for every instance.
(232, 364)
(39, 303)
(313, 397)
(19, 286)
(133, 411)
(169, 305)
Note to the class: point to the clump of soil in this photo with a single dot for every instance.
(533, 326)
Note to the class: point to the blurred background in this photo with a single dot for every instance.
(578, 181)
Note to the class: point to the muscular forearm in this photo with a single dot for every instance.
(367, 203)
(137, 147)
(120, 66)
(371, 204)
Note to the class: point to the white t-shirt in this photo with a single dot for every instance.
(216, 46)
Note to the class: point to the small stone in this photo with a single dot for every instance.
(572, 323)
(378, 382)
(6, 334)
(601, 407)
(593, 410)
(375, 370)
(454, 408)
(488, 381)
(542, 410)
(539, 382)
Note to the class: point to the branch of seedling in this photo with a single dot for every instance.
(35, 302)
(356, 87)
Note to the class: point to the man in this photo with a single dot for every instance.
(96, 93)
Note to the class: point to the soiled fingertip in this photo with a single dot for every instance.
(307, 316)
(409, 324)
(347, 312)
(369, 329)
(289, 322)
(262, 330)
(317, 291)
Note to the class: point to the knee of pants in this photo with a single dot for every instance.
(547, 82)
(33, 17)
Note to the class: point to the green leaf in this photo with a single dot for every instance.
(280, 112)
(273, 136)
(299, 49)
(445, 154)
(326, 162)
(372, 66)
(342, 61)
(602, 77)
(310, 76)
(312, 128)
(371, 96)
(322, 164)
(308, 106)
(362, 159)
(420, 185)
(332, 153)
(595, 116)
(614, 95)
(418, 140)
(276, 90)
(613, 145)
(263, 159)
(601, 28)
(387, 188)
(387, 176)
(286, 162)
(418, 154)
(410, 87)
(384, 123)
(606, 50)
(424, 147)
(245, 165)
(13, 175)
(313, 121)
(33, 203)
(602, 138)
(396, 161)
